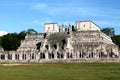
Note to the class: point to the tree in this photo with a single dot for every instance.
(108, 31)
(10, 42)
(22, 35)
(31, 31)
(0, 41)
(116, 40)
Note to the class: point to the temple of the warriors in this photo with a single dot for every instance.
(83, 42)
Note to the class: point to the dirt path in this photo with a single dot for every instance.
(44, 64)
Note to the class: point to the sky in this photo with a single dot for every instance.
(19, 15)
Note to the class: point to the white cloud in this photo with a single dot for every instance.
(39, 22)
(39, 6)
(13, 4)
(102, 22)
(3, 33)
(42, 21)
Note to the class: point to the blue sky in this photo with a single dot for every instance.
(19, 15)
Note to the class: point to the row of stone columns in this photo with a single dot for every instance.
(56, 55)
(34, 56)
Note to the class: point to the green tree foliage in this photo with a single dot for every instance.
(0, 41)
(31, 31)
(108, 31)
(21, 35)
(116, 40)
(111, 32)
(10, 42)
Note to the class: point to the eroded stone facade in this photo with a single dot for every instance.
(87, 43)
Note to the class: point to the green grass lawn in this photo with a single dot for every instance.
(62, 71)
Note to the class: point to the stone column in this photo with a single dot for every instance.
(49, 47)
(34, 56)
(20, 56)
(95, 54)
(46, 55)
(63, 28)
(108, 55)
(70, 27)
(57, 47)
(99, 54)
(65, 55)
(81, 53)
(74, 54)
(0, 56)
(78, 55)
(6, 56)
(13, 56)
(28, 57)
(37, 56)
(55, 54)
(89, 54)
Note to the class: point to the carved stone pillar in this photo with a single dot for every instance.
(13, 56)
(55, 54)
(81, 53)
(65, 55)
(0, 56)
(20, 55)
(28, 56)
(37, 56)
(78, 53)
(46, 55)
(6, 56)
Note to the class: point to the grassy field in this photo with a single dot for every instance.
(62, 71)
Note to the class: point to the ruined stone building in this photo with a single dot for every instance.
(84, 42)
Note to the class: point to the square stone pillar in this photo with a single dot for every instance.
(28, 56)
(46, 55)
(6, 56)
(13, 56)
(78, 55)
(65, 55)
(75, 54)
(55, 55)
(37, 56)
(0, 56)
(20, 56)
